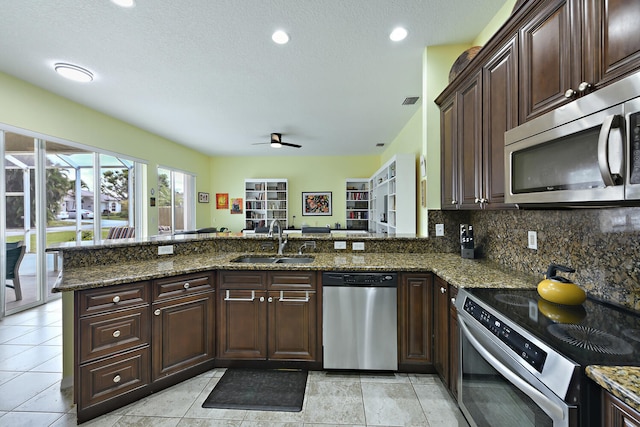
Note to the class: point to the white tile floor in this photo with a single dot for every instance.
(30, 395)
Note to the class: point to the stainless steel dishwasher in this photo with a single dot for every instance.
(360, 322)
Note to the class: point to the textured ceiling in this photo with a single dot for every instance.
(205, 73)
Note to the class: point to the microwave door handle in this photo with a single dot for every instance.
(549, 407)
(610, 151)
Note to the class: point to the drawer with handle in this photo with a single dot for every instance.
(111, 377)
(99, 300)
(108, 333)
(182, 285)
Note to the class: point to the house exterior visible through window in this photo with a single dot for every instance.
(176, 201)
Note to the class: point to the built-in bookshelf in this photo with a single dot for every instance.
(357, 204)
(265, 200)
(392, 206)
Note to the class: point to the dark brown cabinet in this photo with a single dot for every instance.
(183, 323)
(572, 47)
(500, 113)
(415, 312)
(473, 122)
(441, 329)
(136, 338)
(112, 340)
(267, 316)
(454, 344)
(445, 334)
(616, 413)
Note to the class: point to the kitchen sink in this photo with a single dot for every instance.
(252, 259)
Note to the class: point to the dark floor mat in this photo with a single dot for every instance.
(262, 390)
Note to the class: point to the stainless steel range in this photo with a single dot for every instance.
(523, 359)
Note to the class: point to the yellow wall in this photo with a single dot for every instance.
(318, 173)
(29, 107)
(494, 25)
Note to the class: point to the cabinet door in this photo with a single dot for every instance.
(292, 325)
(616, 413)
(500, 111)
(183, 333)
(449, 185)
(441, 329)
(415, 314)
(617, 52)
(469, 124)
(242, 326)
(453, 342)
(550, 57)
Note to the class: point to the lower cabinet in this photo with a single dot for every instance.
(616, 413)
(267, 316)
(446, 334)
(134, 339)
(415, 312)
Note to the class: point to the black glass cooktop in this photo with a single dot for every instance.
(592, 333)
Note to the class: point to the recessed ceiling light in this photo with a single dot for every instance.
(124, 3)
(398, 34)
(73, 72)
(280, 37)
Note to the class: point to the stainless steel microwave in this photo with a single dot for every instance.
(586, 152)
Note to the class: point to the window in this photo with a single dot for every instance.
(176, 201)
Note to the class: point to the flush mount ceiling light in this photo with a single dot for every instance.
(124, 3)
(73, 72)
(280, 37)
(398, 34)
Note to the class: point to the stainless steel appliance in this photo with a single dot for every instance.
(585, 152)
(359, 326)
(523, 359)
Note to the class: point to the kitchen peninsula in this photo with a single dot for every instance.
(145, 321)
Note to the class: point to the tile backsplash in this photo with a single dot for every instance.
(603, 245)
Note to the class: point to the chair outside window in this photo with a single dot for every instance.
(15, 253)
(121, 232)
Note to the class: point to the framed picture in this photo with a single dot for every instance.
(236, 205)
(316, 203)
(203, 197)
(222, 200)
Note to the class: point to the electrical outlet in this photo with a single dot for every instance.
(165, 250)
(439, 229)
(532, 240)
(339, 245)
(358, 246)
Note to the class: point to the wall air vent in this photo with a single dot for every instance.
(380, 144)
(410, 100)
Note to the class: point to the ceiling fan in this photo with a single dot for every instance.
(276, 142)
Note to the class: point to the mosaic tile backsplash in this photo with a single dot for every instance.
(603, 245)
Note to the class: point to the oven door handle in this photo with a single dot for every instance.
(553, 410)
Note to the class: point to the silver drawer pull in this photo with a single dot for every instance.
(116, 299)
(442, 290)
(261, 299)
(117, 379)
(270, 299)
(186, 285)
(116, 333)
(157, 312)
(283, 299)
(227, 297)
(453, 301)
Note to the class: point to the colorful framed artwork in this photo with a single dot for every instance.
(236, 205)
(316, 203)
(222, 200)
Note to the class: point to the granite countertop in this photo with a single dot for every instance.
(458, 271)
(621, 381)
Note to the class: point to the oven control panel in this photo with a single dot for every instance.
(521, 346)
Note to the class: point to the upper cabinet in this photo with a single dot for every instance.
(547, 53)
(572, 47)
(265, 200)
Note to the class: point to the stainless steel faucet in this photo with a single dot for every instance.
(281, 244)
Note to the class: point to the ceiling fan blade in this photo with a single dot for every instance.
(288, 144)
